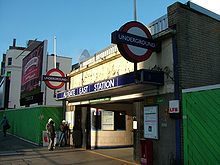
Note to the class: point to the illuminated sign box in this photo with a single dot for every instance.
(157, 78)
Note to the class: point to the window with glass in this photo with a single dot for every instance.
(108, 120)
(9, 61)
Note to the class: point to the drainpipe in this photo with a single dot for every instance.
(177, 97)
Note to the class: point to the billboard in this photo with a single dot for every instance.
(2, 92)
(32, 65)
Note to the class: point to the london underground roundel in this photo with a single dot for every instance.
(134, 41)
(55, 78)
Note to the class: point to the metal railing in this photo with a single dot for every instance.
(158, 25)
(100, 55)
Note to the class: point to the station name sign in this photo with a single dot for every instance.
(92, 88)
(145, 76)
(95, 87)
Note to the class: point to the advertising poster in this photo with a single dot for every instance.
(151, 122)
(31, 76)
(2, 80)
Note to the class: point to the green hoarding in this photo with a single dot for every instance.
(201, 118)
(28, 123)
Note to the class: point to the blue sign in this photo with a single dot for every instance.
(118, 81)
(96, 87)
(130, 39)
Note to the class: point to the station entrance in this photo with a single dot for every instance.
(103, 125)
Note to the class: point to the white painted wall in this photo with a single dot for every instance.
(15, 69)
(112, 64)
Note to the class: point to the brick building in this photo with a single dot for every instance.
(196, 51)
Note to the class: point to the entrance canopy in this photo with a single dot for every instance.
(129, 83)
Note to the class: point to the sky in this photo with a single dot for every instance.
(77, 24)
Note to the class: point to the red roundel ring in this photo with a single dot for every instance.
(124, 48)
(49, 84)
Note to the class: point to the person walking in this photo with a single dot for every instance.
(64, 133)
(5, 124)
(50, 133)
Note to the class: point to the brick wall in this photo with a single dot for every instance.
(198, 46)
(198, 49)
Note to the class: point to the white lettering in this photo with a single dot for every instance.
(32, 62)
(51, 78)
(136, 40)
(83, 90)
(70, 93)
(104, 85)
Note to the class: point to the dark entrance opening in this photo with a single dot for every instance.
(82, 128)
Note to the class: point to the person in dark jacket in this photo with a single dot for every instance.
(5, 124)
(50, 133)
(63, 135)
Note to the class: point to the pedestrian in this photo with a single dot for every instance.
(64, 131)
(5, 124)
(67, 132)
(50, 133)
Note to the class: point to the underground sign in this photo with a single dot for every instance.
(55, 79)
(134, 41)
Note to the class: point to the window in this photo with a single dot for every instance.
(9, 61)
(108, 120)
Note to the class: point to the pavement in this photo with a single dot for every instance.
(14, 150)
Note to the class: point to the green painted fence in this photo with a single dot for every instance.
(28, 123)
(201, 125)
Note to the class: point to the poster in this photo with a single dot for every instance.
(151, 122)
(32, 67)
(107, 120)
